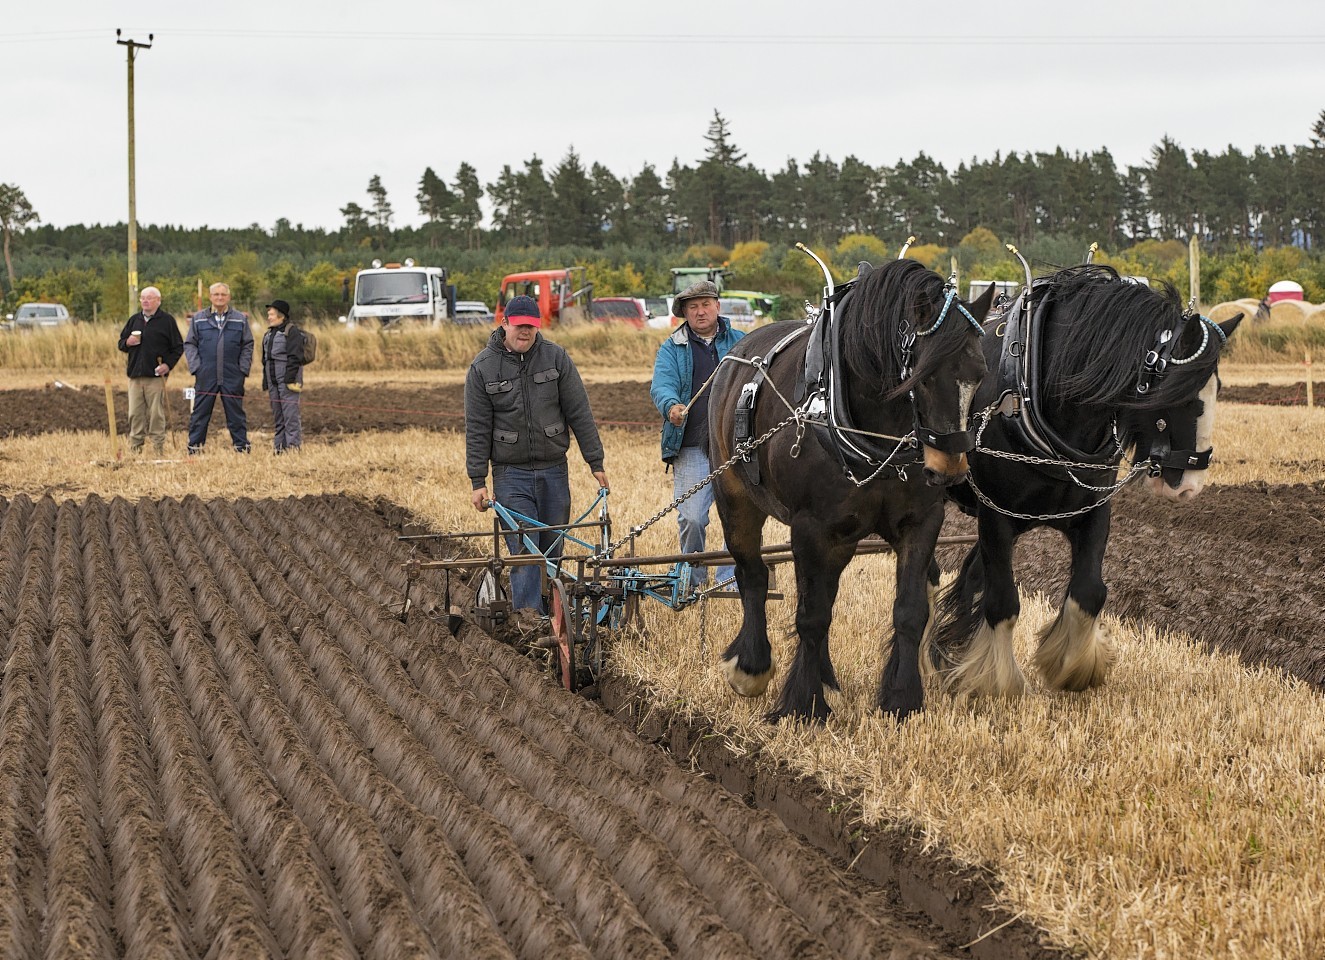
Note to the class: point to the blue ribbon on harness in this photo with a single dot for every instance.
(943, 314)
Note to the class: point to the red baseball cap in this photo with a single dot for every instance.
(523, 310)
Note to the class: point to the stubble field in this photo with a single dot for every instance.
(1171, 814)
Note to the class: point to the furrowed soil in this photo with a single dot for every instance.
(217, 740)
(330, 408)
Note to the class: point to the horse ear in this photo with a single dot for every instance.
(981, 305)
(1229, 325)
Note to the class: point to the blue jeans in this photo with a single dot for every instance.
(545, 496)
(691, 466)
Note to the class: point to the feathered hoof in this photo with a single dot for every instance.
(746, 684)
(818, 713)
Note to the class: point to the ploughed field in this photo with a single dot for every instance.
(332, 408)
(215, 739)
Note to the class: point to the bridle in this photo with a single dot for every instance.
(958, 441)
(1154, 368)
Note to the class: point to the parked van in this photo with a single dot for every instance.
(395, 295)
(38, 316)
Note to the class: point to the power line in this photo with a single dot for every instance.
(642, 39)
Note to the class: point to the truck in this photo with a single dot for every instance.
(391, 296)
(564, 295)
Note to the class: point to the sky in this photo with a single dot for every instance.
(248, 112)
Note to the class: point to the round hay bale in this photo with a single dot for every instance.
(1230, 308)
(1290, 312)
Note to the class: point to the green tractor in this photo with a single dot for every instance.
(745, 308)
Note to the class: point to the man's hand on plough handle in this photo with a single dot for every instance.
(480, 499)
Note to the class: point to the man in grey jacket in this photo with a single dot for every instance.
(523, 398)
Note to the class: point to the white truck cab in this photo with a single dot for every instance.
(396, 295)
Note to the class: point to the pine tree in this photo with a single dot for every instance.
(16, 214)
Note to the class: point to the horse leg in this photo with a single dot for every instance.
(987, 666)
(900, 691)
(1071, 654)
(819, 565)
(747, 663)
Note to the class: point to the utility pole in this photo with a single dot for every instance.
(131, 46)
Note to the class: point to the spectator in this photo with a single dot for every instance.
(219, 350)
(684, 363)
(283, 375)
(152, 341)
(522, 396)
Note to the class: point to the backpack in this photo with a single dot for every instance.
(310, 345)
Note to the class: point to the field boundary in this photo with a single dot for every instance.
(958, 897)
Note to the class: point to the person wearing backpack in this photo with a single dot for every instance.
(285, 350)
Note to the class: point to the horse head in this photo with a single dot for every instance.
(1178, 384)
(946, 368)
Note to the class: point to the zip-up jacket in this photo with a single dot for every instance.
(519, 406)
(673, 371)
(160, 343)
(282, 355)
(220, 357)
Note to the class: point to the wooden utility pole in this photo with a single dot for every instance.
(1194, 267)
(131, 47)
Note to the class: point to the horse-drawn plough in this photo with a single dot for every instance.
(593, 587)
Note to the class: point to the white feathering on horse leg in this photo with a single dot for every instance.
(747, 684)
(988, 667)
(1072, 655)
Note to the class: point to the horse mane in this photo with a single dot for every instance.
(900, 296)
(1101, 328)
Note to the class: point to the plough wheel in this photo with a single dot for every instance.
(563, 630)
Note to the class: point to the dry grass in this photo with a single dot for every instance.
(91, 349)
(1174, 813)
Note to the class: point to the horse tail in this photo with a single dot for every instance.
(958, 611)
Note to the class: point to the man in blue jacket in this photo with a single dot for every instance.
(684, 363)
(219, 351)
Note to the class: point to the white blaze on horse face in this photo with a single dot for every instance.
(1193, 481)
(965, 397)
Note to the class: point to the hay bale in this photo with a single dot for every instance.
(1290, 312)
(1230, 308)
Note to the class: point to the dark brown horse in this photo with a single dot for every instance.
(910, 363)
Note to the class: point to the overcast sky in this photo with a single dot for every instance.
(252, 111)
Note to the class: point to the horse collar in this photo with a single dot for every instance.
(1019, 386)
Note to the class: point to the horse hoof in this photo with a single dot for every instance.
(818, 715)
(746, 684)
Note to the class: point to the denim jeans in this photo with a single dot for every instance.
(692, 517)
(540, 494)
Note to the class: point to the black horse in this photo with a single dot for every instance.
(900, 360)
(1090, 366)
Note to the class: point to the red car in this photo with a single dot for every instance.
(619, 310)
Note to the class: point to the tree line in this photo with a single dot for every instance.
(630, 229)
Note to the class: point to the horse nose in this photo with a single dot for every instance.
(944, 469)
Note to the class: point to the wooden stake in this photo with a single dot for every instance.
(1310, 398)
(110, 422)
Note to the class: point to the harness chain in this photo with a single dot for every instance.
(741, 452)
(1109, 491)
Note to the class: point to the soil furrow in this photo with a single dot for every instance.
(370, 885)
(148, 884)
(303, 910)
(738, 889)
(23, 737)
(373, 721)
(77, 878)
(227, 911)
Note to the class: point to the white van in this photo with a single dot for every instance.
(395, 295)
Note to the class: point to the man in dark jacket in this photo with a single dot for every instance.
(283, 375)
(219, 350)
(152, 341)
(523, 398)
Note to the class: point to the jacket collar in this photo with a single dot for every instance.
(681, 336)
